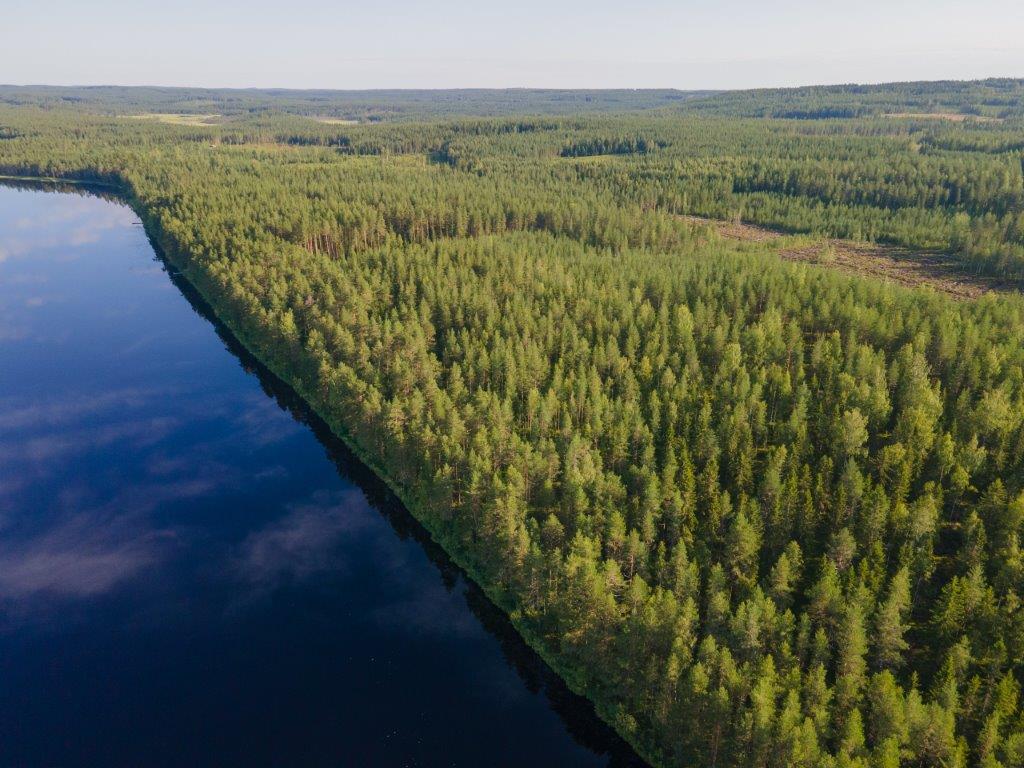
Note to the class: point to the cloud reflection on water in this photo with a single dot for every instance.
(79, 222)
(304, 542)
(78, 558)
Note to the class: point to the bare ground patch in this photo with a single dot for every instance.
(953, 117)
(731, 230)
(898, 265)
(334, 120)
(176, 118)
(904, 266)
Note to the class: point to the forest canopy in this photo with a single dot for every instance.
(761, 513)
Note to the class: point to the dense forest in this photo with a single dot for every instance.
(761, 513)
(359, 105)
(995, 98)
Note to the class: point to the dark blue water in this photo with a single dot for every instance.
(193, 572)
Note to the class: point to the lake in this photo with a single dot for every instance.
(193, 571)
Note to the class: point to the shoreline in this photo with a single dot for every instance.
(175, 258)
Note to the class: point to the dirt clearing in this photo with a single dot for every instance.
(886, 262)
(953, 117)
(335, 121)
(177, 118)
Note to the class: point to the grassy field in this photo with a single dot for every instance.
(176, 118)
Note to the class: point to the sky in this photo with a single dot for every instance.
(686, 44)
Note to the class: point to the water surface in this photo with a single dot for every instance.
(194, 572)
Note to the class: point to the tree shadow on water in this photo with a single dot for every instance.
(576, 712)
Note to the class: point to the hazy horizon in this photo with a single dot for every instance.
(398, 44)
(426, 88)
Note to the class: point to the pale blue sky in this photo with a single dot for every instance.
(554, 43)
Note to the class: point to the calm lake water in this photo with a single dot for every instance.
(193, 572)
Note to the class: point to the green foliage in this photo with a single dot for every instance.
(761, 512)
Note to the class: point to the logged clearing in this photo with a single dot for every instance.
(335, 120)
(898, 265)
(953, 117)
(178, 118)
(888, 262)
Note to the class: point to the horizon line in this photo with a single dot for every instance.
(432, 89)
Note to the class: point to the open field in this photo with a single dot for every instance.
(953, 117)
(178, 118)
(335, 121)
